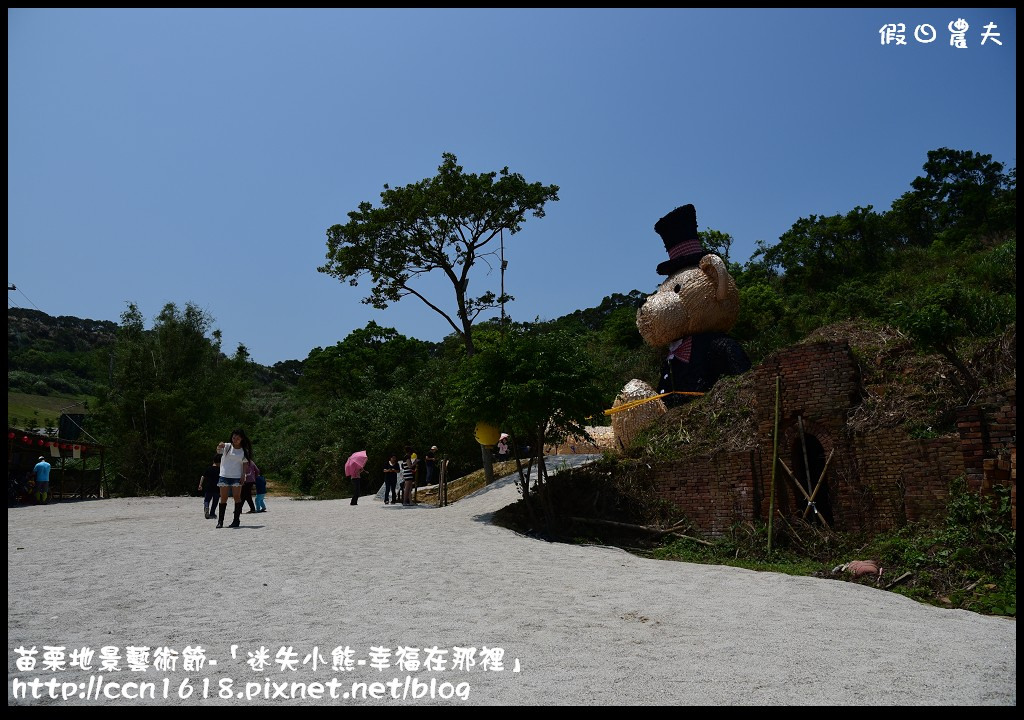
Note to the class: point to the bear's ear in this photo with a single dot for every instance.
(714, 268)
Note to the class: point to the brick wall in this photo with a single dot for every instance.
(713, 492)
(988, 438)
(869, 482)
(900, 479)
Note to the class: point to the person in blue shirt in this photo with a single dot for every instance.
(42, 472)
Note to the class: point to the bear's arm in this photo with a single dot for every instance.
(727, 357)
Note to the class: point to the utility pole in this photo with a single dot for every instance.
(504, 264)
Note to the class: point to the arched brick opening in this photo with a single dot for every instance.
(791, 502)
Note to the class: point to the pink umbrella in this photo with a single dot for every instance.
(355, 464)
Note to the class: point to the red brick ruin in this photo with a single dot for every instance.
(871, 482)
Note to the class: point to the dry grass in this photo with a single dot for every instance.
(459, 488)
(721, 421)
(900, 388)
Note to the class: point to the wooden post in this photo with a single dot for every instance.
(444, 482)
(775, 457)
(821, 478)
(803, 444)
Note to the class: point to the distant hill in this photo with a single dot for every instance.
(64, 355)
(35, 329)
(54, 362)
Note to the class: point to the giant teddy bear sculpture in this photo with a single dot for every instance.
(689, 315)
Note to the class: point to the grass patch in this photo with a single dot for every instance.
(32, 411)
(468, 484)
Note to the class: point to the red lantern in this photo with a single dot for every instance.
(40, 442)
(10, 436)
(26, 439)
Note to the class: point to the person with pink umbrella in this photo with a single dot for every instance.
(354, 470)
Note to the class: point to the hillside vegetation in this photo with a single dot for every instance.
(924, 291)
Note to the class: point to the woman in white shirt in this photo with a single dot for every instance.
(234, 463)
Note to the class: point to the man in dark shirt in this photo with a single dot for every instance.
(208, 486)
(430, 462)
(391, 471)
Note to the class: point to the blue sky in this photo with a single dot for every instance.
(198, 155)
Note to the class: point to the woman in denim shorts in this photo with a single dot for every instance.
(234, 463)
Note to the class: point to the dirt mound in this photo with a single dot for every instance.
(901, 388)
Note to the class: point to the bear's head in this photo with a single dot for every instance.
(692, 300)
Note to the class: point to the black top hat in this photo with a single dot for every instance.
(678, 231)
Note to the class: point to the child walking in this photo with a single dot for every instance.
(261, 493)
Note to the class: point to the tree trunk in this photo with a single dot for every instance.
(488, 459)
(969, 385)
(524, 481)
(550, 520)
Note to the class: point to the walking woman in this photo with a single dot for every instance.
(249, 486)
(234, 462)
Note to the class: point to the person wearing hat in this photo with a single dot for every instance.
(430, 462)
(42, 472)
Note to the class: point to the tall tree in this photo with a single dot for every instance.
(447, 223)
(171, 397)
(962, 195)
(538, 386)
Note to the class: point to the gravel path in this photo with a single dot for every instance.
(550, 624)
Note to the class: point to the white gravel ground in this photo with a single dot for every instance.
(570, 625)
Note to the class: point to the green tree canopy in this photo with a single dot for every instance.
(818, 252)
(533, 384)
(962, 195)
(447, 223)
(369, 358)
(172, 396)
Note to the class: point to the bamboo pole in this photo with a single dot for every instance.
(802, 491)
(775, 457)
(821, 478)
(803, 444)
